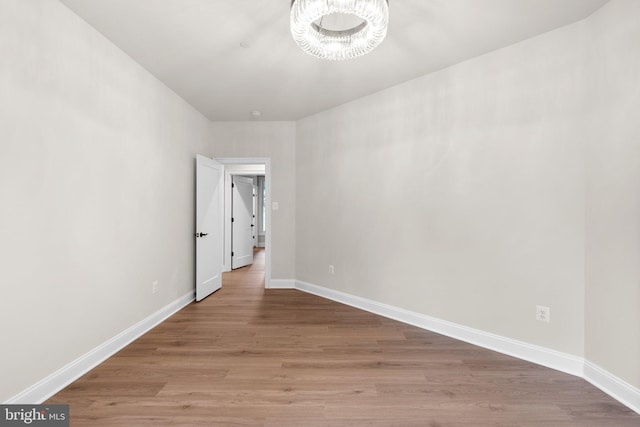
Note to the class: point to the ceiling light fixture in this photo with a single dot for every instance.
(366, 27)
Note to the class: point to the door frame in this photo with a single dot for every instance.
(259, 161)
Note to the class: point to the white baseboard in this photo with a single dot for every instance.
(578, 366)
(620, 390)
(64, 376)
(542, 356)
(605, 381)
(282, 284)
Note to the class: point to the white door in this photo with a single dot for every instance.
(209, 241)
(254, 222)
(241, 222)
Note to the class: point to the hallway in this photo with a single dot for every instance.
(250, 276)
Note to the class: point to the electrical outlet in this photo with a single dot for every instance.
(543, 313)
(332, 270)
(154, 287)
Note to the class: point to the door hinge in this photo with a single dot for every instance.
(233, 185)
(231, 253)
(232, 219)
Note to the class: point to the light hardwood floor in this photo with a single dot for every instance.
(246, 356)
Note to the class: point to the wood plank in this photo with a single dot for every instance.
(247, 356)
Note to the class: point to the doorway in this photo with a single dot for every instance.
(257, 167)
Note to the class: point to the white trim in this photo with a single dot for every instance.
(282, 284)
(266, 161)
(64, 376)
(615, 387)
(620, 390)
(543, 356)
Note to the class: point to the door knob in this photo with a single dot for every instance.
(201, 234)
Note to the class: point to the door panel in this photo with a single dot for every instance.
(242, 222)
(254, 219)
(209, 239)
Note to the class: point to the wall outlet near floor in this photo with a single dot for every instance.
(332, 270)
(154, 287)
(543, 313)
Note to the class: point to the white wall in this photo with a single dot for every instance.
(275, 140)
(477, 192)
(96, 191)
(613, 193)
(459, 195)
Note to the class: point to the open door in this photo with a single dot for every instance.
(241, 222)
(254, 220)
(209, 239)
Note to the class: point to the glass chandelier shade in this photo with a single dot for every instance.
(308, 33)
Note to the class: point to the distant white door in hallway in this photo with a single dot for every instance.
(241, 222)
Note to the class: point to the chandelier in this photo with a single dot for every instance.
(366, 26)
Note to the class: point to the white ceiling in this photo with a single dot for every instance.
(194, 47)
